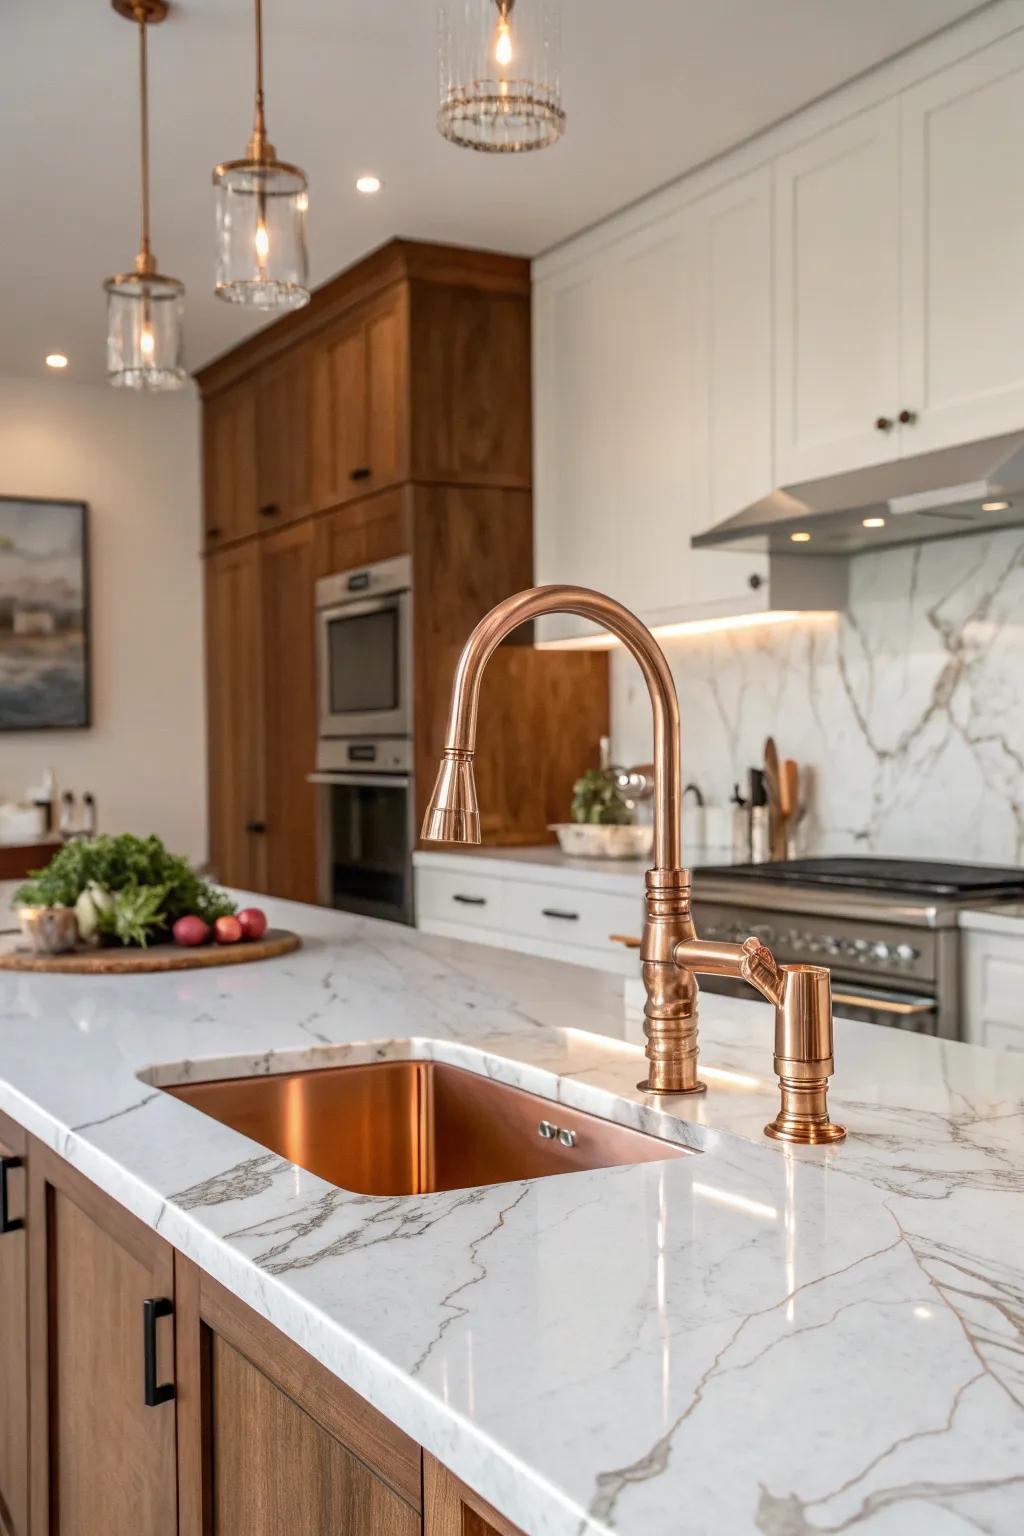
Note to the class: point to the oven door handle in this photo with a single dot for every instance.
(362, 780)
(887, 1002)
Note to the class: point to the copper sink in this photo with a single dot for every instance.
(415, 1127)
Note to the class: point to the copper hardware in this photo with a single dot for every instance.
(803, 1056)
(671, 954)
(908, 418)
(884, 424)
(415, 1127)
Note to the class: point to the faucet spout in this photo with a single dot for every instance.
(454, 790)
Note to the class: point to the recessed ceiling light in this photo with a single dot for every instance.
(368, 184)
(994, 506)
(799, 538)
(56, 360)
(873, 522)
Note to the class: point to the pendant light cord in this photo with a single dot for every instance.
(143, 132)
(259, 129)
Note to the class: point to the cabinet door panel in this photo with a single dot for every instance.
(14, 1342)
(229, 464)
(363, 533)
(341, 445)
(287, 575)
(963, 315)
(385, 396)
(111, 1459)
(234, 642)
(452, 1509)
(837, 297)
(284, 431)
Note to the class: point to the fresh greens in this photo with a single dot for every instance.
(137, 889)
(596, 800)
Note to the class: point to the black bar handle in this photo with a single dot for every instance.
(255, 826)
(269, 509)
(6, 1224)
(567, 917)
(363, 473)
(471, 901)
(155, 1307)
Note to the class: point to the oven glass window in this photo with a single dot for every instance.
(363, 662)
(369, 849)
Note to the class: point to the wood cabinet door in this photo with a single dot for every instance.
(387, 414)
(287, 573)
(837, 296)
(230, 492)
(235, 729)
(452, 1509)
(284, 438)
(963, 227)
(364, 532)
(340, 436)
(271, 1442)
(101, 1459)
(13, 1331)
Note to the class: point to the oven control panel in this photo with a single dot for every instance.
(851, 946)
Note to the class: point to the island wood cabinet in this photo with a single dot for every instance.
(13, 1332)
(163, 1406)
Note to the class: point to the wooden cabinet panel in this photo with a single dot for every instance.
(364, 532)
(13, 1336)
(387, 410)
(284, 421)
(229, 464)
(450, 1508)
(234, 650)
(838, 298)
(101, 1459)
(289, 711)
(360, 405)
(963, 234)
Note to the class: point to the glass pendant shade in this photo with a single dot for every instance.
(145, 331)
(498, 65)
(261, 234)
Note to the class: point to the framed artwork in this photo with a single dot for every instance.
(44, 614)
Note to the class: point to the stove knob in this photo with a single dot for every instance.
(881, 952)
(906, 954)
(830, 946)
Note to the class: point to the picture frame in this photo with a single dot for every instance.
(45, 619)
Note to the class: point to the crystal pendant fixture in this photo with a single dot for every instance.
(498, 73)
(261, 219)
(145, 310)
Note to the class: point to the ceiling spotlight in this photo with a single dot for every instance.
(56, 360)
(873, 522)
(368, 184)
(799, 538)
(995, 506)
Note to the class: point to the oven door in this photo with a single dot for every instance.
(366, 838)
(916, 1012)
(363, 667)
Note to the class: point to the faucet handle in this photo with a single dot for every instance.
(759, 966)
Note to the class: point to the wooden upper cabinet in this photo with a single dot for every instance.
(234, 697)
(360, 410)
(13, 1334)
(284, 438)
(365, 532)
(231, 496)
(837, 298)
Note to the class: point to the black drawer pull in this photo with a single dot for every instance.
(155, 1307)
(6, 1224)
(363, 473)
(213, 533)
(471, 901)
(567, 917)
(255, 826)
(269, 509)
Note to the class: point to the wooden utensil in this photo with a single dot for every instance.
(773, 784)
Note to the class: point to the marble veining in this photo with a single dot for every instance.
(791, 1343)
(907, 708)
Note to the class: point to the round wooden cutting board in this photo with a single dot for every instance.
(159, 957)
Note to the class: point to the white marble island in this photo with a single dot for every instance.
(748, 1340)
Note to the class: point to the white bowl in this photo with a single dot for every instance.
(588, 840)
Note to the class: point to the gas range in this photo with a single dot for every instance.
(887, 928)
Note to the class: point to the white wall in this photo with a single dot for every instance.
(909, 709)
(136, 462)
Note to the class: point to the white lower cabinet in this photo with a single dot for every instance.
(515, 910)
(993, 989)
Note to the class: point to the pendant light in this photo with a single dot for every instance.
(498, 65)
(145, 310)
(261, 218)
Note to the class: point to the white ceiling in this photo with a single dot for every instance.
(651, 87)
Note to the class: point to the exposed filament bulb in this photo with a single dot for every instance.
(146, 342)
(503, 40)
(262, 243)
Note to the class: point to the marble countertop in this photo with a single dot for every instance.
(749, 1340)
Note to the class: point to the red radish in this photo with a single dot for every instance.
(189, 931)
(227, 930)
(253, 922)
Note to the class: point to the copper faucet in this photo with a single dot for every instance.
(671, 953)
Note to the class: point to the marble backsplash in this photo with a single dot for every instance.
(908, 710)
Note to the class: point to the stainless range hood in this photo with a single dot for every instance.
(953, 491)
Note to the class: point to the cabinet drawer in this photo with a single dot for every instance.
(475, 900)
(567, 915)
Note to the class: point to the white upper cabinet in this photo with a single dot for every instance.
(963, 249)
(837, 298)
